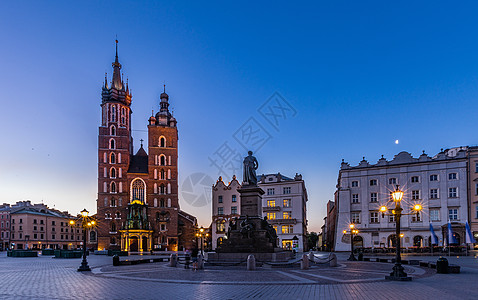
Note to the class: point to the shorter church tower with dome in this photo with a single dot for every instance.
(138, 206)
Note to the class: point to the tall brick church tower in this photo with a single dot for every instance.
(137, 206)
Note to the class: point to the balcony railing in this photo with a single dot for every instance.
(271, 208)
(283, 221)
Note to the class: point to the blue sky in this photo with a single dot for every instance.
(358, 74)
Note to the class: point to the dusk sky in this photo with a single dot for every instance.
(355, 77)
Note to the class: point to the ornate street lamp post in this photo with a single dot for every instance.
(397, 196)
(200, 235)
(352, 232)
(86, 223)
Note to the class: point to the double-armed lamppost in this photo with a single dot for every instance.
(397, 196)
(352, 232)
(201, 234)
(87, 222)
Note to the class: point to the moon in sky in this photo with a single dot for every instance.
(396, 142)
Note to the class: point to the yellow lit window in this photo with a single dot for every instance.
(275, 228)
(287, 229)
(271, 203)
(286, 202)
(286, 215)
(271, 216)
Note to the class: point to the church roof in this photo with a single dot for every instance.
(139, 162)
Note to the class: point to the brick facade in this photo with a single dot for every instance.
(154, 176)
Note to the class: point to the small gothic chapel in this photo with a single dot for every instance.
(137, 205)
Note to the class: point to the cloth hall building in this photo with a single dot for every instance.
(137, 206)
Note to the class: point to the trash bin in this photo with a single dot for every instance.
(442, 265)
(116, 261)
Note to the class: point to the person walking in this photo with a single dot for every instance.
(194, 256)
(188, 259)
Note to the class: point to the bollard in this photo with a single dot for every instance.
(304, 263)
(200, 262)
(442, 265)
(116, 260)
(333, 260)
(172, 260)
(311, 256)
(251, 263)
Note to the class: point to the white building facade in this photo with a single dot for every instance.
(284, 203)
(439, 184)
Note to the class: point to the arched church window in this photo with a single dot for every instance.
(163, 174)
(161, 203)
(137, 190)
(112, 158)
(113, 173)
(118, 215)
(162, 142)
(162, 189)
(112, 144)
(113, 187)
(113, 202)
(162, 160)
(113, 113)
(113, 227)
(112, 130)
(123, 115)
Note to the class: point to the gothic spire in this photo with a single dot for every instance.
(117, 81)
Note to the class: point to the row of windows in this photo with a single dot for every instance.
(220, 210)
(221, 227)
(53, 223)
(113, 173)
(434, 216)
(42, 236)
(113, 114)
(413, 179)
(285, 215)
(220, 199)
(137, 192)
(7, 224)
(162, 174)
(112, 157)
(162, 203)
(117, 215)
(285, 190)
(415, 195)
(160, 160)
(285, 203)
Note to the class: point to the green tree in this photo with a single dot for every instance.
(312, 238)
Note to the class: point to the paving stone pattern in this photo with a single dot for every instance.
(49, 278)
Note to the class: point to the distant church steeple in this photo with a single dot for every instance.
(117, 82)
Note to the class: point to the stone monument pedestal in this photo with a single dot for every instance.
(250, 234)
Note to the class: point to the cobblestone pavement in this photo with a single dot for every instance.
(49, 278)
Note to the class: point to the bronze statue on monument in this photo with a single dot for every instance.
(250, 233)
(250, 166)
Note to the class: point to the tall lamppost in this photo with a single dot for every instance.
(352, 232)
(397, 196)
(87, 222)
(200, 235)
